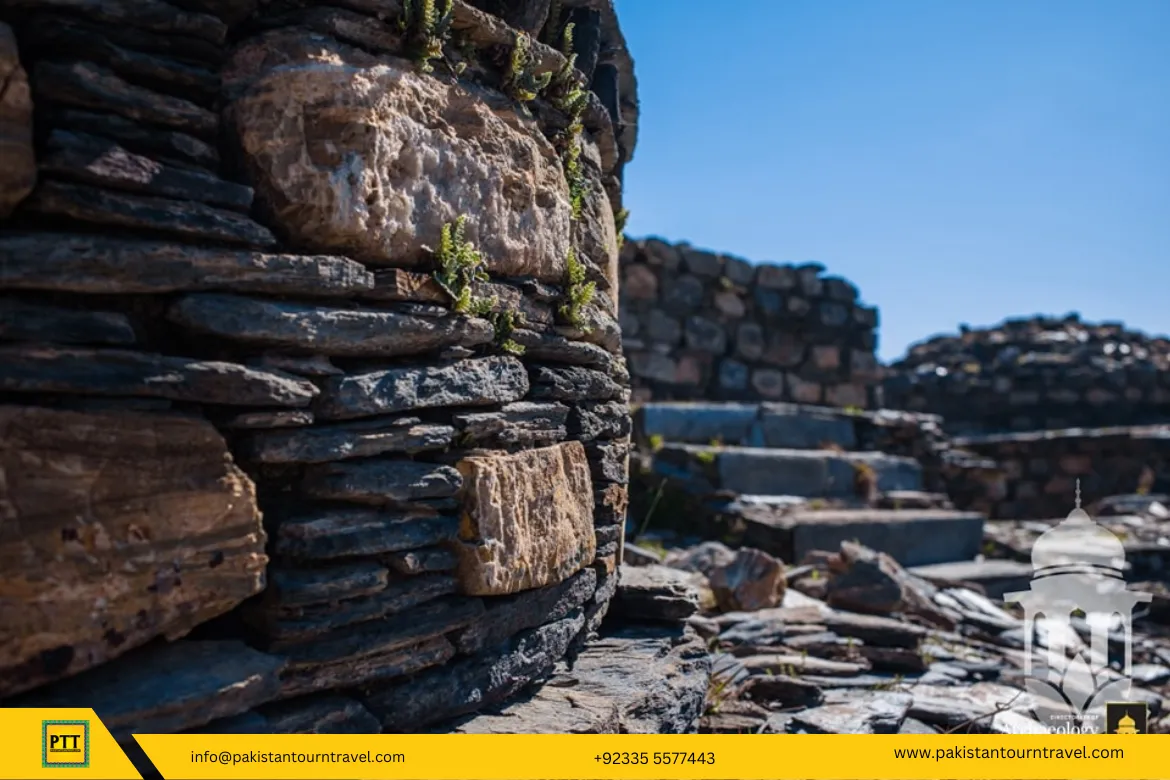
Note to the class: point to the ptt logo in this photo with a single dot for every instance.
(64, 744)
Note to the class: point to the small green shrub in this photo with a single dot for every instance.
(425, 27)
(619, 225)
(578, 292)
(521, 82)
(505, 323)
(575, 171)
(460, 266)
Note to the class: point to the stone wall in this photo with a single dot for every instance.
(705, 326)
(1040, 468)
(268, 432)
(1035, 374)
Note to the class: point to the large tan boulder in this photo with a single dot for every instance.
(527, 519)
(115, 528)
(364, 156)
(18, 173)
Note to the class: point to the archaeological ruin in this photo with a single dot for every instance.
(334, 399)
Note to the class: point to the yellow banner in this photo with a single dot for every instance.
(658, 756)
(74, 744)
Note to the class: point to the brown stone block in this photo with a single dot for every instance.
(527, 519)
(115, 528)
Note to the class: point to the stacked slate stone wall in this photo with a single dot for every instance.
(1033, 374)
(705, 326)
(1040, 469)
(262, 470)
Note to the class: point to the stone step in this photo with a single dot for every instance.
(996, 577)
(791, 426)
(912, 537)
(763, 471)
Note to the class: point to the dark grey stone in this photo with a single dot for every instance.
(325, 330)
(296, 632)
(705, 335)
(475, 683)
(655, 593)
(337, 533)
(609, 462)
(94, 160)
(112, 372)
(589, 421)
(360, 439)
(168, 687)
(477, 382)
(572, 383)
(380, 481)
(634, 681)
(509, 615)
(42, 323)
(523, 423)
(100, 265)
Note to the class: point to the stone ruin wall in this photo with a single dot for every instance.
(701, 326)
(1032, 374)
(1048, 400)
(239, 413)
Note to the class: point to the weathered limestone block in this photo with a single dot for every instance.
(386, 180)
(115, 528)
(345, 332)
(18, 174)
(527, 519)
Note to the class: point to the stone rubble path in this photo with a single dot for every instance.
(851, 642)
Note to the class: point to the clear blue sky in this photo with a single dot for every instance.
(958, 160)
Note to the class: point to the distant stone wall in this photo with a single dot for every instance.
(244, 406)
(704, 326)
(1040, 469)
(1035, 374)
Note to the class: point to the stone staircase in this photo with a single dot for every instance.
(792, 479)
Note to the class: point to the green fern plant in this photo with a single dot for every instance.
(619, 225)
(505, 323)
(578, 292)
(575, 172)
(426, 27)
(460, 266)
(521, 82)
(567, 89)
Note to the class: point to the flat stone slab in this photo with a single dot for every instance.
(768, 471)
(751, 425)
(169, 687)
(344, 332)
(636, 681)
(68, 262)
(997, 577)
(912, 537)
